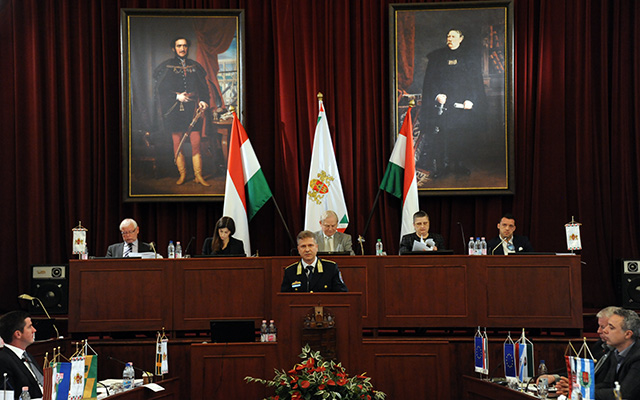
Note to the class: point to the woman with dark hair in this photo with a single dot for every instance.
(222, 242)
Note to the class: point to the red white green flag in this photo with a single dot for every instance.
(400, 177)
(246, 189)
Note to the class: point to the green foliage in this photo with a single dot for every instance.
(317, 379)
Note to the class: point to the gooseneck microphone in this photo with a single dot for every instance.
(186, 250)
(499, 244)
(143, 372)
(463, 236)
(153, 247)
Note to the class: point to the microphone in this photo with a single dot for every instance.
(463, 236)
(186, 250)
(499, 244)
(31, 298)
(153, 247)
(600, 362)
(143, 372)
(430, 244)
(105, 387)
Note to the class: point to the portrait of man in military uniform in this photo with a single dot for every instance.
(181, 72)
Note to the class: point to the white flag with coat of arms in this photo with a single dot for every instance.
(324, 190)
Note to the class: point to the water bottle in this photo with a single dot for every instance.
(171, 250)
(128, 376)
(271, 336)
(379, 247)
(471, 246)
(543, 383)
(25, 393)
(483, 246)
(477, 249)
(178, 250)
(264, 331)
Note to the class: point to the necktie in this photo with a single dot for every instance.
(127, 249)
(330, 241)
(34, 370)
(309, 272)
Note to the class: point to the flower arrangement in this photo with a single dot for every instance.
(315, 379)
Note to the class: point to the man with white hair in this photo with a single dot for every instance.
(328, 238)
(130, 244)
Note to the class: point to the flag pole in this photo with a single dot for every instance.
(366, 226)
(283, 221)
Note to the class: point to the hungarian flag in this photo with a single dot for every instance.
(400, 177)
(324, 191)
(480, 353)
(246, 189)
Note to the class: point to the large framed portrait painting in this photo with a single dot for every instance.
(182, 71)
(454, 62)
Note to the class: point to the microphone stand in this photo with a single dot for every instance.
(153, 247)
(27, 297)
(186, 250)
(143, 372)
(462, 232)
(499, 244)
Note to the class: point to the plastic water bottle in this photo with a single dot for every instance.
(178, 250)
(542, 368)
(171, 250)
(271, 336)
(264, 331)
(477, 249)
(25, 393)
(379, 247)
(128, 375)
(471, 246)
(483, 246)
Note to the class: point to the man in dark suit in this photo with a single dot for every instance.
(598, 350)
(311, 274)
(507, 242)
(421, 225)
(129, 230)
(623, 362)
(17, 332)
(329, 239)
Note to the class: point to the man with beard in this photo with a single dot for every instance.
(181, 90)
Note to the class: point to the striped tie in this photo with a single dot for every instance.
(127, 249)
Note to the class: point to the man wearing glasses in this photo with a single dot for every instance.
(130, 244)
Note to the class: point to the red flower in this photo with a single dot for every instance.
(342, 382)
(321, 387)
(331, 382)
(296, 396)
(305, 384)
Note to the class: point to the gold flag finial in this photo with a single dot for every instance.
(232, 109)
(320, 96)
(412, 103)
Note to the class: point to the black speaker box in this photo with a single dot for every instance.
(630, 284)
(50, 284)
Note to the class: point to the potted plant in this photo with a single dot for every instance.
(316, 379)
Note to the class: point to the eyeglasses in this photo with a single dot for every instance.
(128, 233)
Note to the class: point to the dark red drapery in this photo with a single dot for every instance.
(576, 133)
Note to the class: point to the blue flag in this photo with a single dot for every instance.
(63, 380)
(509, 360)
(478, 345)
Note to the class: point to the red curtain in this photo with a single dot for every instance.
(576, 132)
